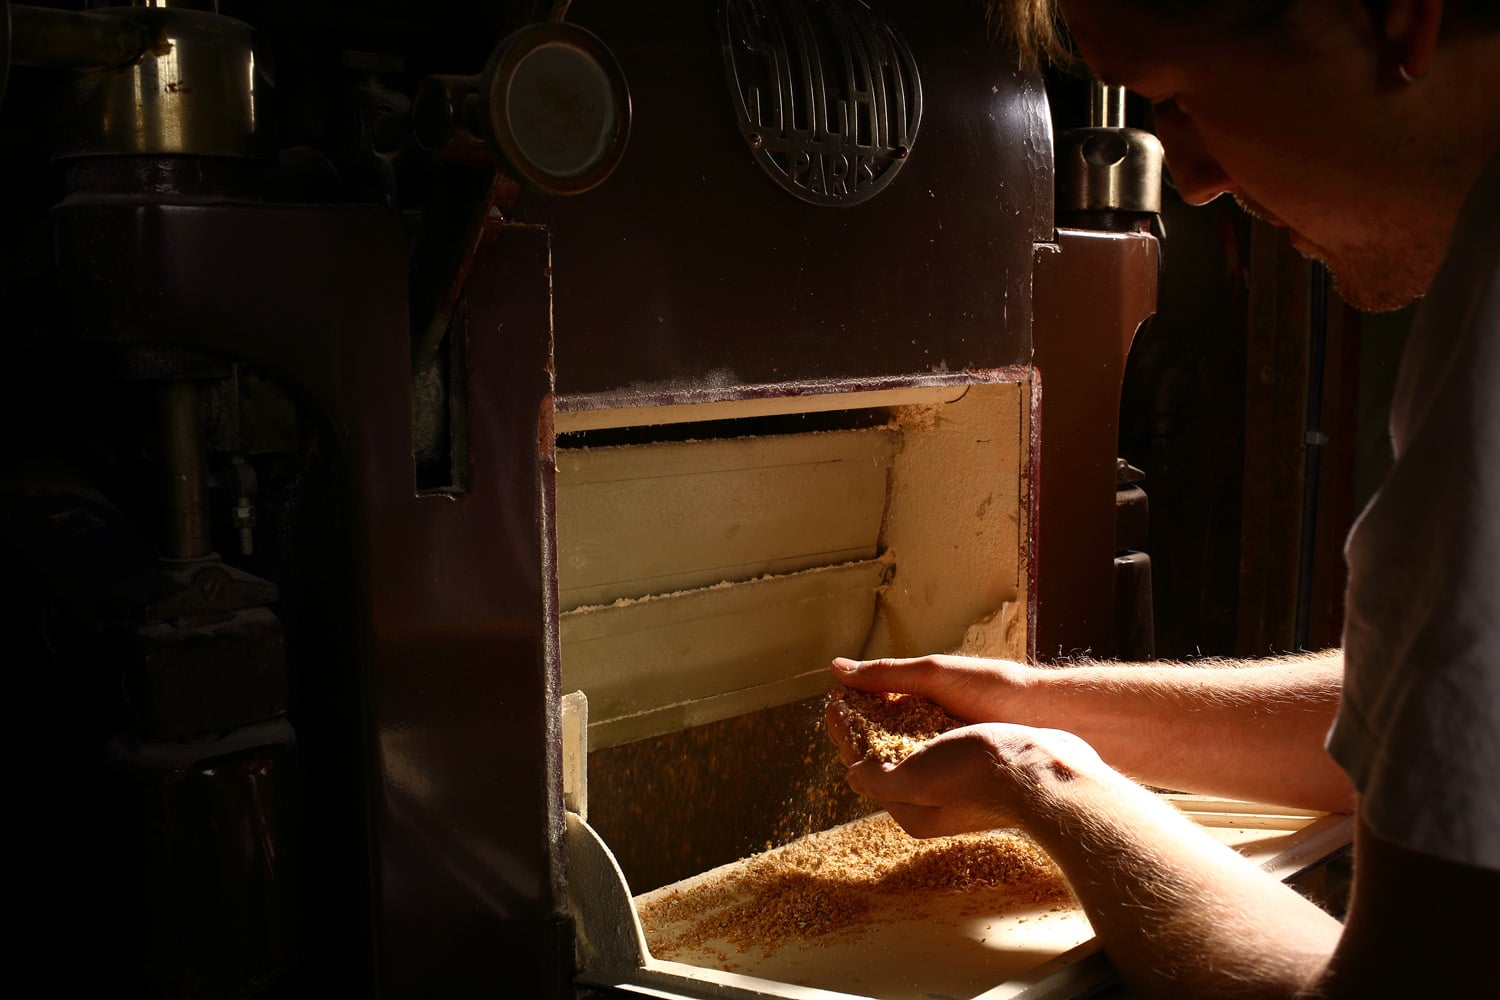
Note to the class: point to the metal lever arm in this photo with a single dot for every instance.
(73, 40)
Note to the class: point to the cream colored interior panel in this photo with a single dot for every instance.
(666, 662)
(956, 528)
(646, 519)
(703, 579)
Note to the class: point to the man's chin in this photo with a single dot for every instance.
(1371, 289)
(1386, 297)
(1256, 210)
(1370, 282)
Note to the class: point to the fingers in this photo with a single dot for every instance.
(920, 779)
(929, 816)
(974, 778)
(869, 778)
(973, 689)
(836, 719)
(906, 676)
(923, 822)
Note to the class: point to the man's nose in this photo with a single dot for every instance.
(1198, 177)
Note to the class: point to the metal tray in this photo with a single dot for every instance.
(981, 946)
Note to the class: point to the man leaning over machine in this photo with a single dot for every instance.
(1370, 130)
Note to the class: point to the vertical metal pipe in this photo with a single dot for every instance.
(1106, 106)
(1317, 440)
(184, 462)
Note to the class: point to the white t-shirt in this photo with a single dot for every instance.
(1418, 730)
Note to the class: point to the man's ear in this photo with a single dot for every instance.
(1411, 29)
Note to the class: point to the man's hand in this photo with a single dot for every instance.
(972, 689)
(981, 777)
(1181, 914)
(1248, 730)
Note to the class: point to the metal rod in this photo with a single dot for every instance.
(4, 47)
(1317, 439)
(1106, 106)
(75, 40)
(184, 461)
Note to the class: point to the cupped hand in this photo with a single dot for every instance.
(980, 777)
(967, 687)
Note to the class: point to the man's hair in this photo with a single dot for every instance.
(1036, 28)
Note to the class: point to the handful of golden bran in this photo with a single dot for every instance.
(889, 726)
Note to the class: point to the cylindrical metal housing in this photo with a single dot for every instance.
(201, 88)
(1109, 170)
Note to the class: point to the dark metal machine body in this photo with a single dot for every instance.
(228, 364)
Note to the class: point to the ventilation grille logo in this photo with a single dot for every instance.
(826, 92)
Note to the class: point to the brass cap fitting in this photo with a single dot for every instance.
(1109, 170)
(202, 87)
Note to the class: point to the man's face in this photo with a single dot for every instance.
(1287, 121)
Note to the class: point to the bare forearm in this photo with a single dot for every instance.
(1252, 730)
(1180, 914)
